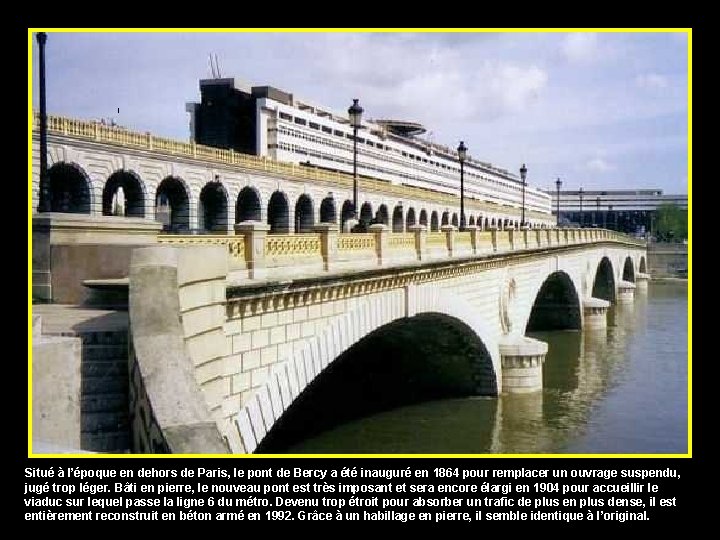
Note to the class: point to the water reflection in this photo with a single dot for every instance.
(616, 390)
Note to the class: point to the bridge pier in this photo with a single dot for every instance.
(595, 313)
(626, 292)
(641, 282)
(522, 359)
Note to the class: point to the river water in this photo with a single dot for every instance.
(623, 390)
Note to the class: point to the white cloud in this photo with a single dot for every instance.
(599, 164)
(444, 81)
(651, 80)
(580, 47)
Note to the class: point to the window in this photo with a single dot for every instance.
(285, 116)
(313, 125)
(300, 121)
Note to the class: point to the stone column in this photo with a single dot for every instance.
(420, 241)
(493, 231)
(255, 233)
(381, 233)
(595, 313)
(625, 292)
(522, 360)
(513, 239)
(449, 231)
(328, 243)
(474, 231)
(641, 282)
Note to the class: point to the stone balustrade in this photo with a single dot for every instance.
(260, 255)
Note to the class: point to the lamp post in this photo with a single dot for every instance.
(582, 221)
(558, 185)
(355, 113)
(523, 175)
(44, 203)
(462, 154)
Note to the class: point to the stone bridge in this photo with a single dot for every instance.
(230, 332)
(188, 186)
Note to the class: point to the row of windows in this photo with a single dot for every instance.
(508, 189)
(409, 179)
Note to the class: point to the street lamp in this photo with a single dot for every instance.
(523, 175)
(582, 221)
(462, 154)
(558, 185)
(355, 113)
(45, 204)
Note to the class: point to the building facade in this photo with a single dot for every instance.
(265, 121)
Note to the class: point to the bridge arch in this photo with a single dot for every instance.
(397, 220)
(434, 227)
(278, 213)
(604, 282)
(381, 216)
(214, 207)
(423, 218)
(70, 189)
(410, 219)
(328, 214)
(172, 204)
(628, 270)
(304, 214)
(248, 206)
(288, 379)
(556, 305)
(133, 190)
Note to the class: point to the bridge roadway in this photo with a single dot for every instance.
(228, 331)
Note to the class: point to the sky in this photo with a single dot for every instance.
(597, 110)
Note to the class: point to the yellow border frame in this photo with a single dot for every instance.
(687, 31)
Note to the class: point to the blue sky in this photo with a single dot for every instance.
(598, 110)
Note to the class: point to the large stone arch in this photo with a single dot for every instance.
(304, 214)
(398, 223)
(366, 214)
(628, 270)
(70, 189)
(604, 281)
(133, 190)
(434, 225)
(172, 204)
(410, 218)
(328, 214)
(423, 218)
(381, 216)
(249, 205)
(288, 379)
(278, 213)
(213, 207)
(556, 304)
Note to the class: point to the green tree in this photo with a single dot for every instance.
(670, 223)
